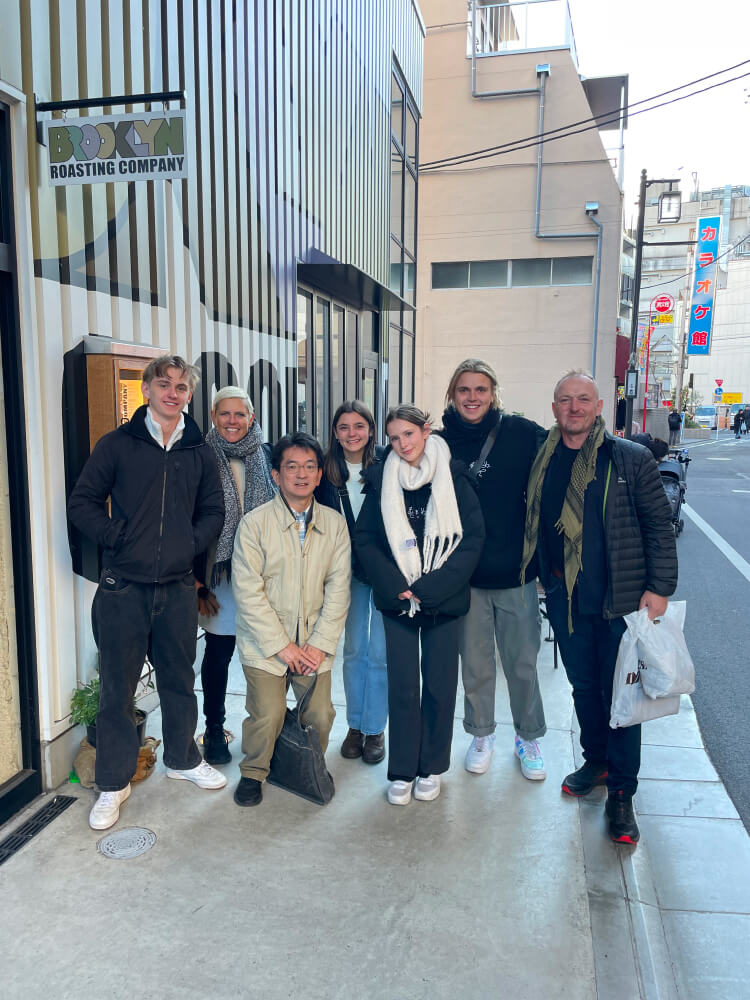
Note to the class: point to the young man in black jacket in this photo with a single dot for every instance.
(166, 507)
(598, 512)
(500, 450)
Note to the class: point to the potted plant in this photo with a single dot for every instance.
(84, 708)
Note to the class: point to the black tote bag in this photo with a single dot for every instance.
(298, 763)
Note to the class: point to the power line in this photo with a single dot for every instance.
(519, 144)
(687, 274)
(584, 121)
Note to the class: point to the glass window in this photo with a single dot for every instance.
(304, 331)
(410, 212)
(408, 320)
(337, 358)
(350, 388)
(489, 274)
(410, 274)
(396, 268)
(397, 185)
(369, 340)
(571, 270)
(322, 326)
(394, 366)
(407, 369)
(530, 272)
(397, 109)
(450, 275)
(411, 137)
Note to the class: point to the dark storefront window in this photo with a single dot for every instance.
(403, 253)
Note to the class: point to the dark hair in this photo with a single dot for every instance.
(297, 440)
(411, 414)
(334, 464)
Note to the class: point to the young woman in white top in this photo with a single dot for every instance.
(351, 450)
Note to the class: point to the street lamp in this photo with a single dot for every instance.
(669, 209)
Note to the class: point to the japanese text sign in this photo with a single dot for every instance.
(704, 286)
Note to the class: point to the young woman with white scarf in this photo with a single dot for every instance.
(245, 472)
(420, 534)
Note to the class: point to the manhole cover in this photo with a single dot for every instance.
(127, 843)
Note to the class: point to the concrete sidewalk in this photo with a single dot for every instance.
(501, 887)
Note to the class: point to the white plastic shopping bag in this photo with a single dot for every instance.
(630, 704)
(666, 665)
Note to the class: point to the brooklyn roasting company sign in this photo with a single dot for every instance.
(132, 147)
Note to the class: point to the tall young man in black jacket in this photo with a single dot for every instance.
(167, 505)
(602, 525)
(502, 611)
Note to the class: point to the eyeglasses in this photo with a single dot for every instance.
(294, 467)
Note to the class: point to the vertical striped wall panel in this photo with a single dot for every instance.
(288, 105)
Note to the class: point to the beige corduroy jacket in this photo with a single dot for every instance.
(288, 593)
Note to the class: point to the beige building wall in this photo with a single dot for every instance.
(10, 721)
(486, 211)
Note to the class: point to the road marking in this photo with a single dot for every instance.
(740, 491)
(721, 544)
(714, 458)
(742, 475)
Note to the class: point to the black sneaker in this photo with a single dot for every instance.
(215, 749)
(623, 828)
(582, 781)
(249, 792)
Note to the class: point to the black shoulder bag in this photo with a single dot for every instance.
(476, 467)
(298, 763)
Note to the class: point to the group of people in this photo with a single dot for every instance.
(741, 422)
(425, 554)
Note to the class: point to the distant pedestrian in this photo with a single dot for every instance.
(599, 515)
(420, 535)
(739, 420)
(150, 496)
(675, 423)
(747, 419)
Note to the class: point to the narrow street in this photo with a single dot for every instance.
(717, 588)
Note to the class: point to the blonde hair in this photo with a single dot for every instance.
(474, 366)
(159, 366)
(575, 373)
(411, 414)
(232, 392)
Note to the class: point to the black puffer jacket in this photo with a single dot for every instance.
(445, 590)
(640, 542)
(167, 506)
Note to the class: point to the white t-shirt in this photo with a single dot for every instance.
(354, 488)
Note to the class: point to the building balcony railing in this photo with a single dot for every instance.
(498, 29)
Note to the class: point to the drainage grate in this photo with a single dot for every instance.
(127, 843)
(35, 825)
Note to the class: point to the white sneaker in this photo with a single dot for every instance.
(427, 789)
(204, 776)
(399, 793)
(106, 810)
(530, 756)
(479, 754)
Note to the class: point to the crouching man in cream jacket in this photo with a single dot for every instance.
(291, 571)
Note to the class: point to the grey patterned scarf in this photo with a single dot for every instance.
(259, 488)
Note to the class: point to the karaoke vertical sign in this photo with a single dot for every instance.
(704, 286)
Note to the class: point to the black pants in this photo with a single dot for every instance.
(420, 730)
(214, 676)
(589, 655)
(130, 621)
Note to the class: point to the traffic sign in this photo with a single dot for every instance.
(663, 303)
(719, 381)
(718, 391)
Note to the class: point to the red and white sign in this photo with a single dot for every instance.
(719, 381)
(663, 303)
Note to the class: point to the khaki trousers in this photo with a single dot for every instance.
(266, 708)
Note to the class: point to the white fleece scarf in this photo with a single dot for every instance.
(442, 530)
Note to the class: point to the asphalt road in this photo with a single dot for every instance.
(718, 606)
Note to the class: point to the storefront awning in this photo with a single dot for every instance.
(347, 283)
